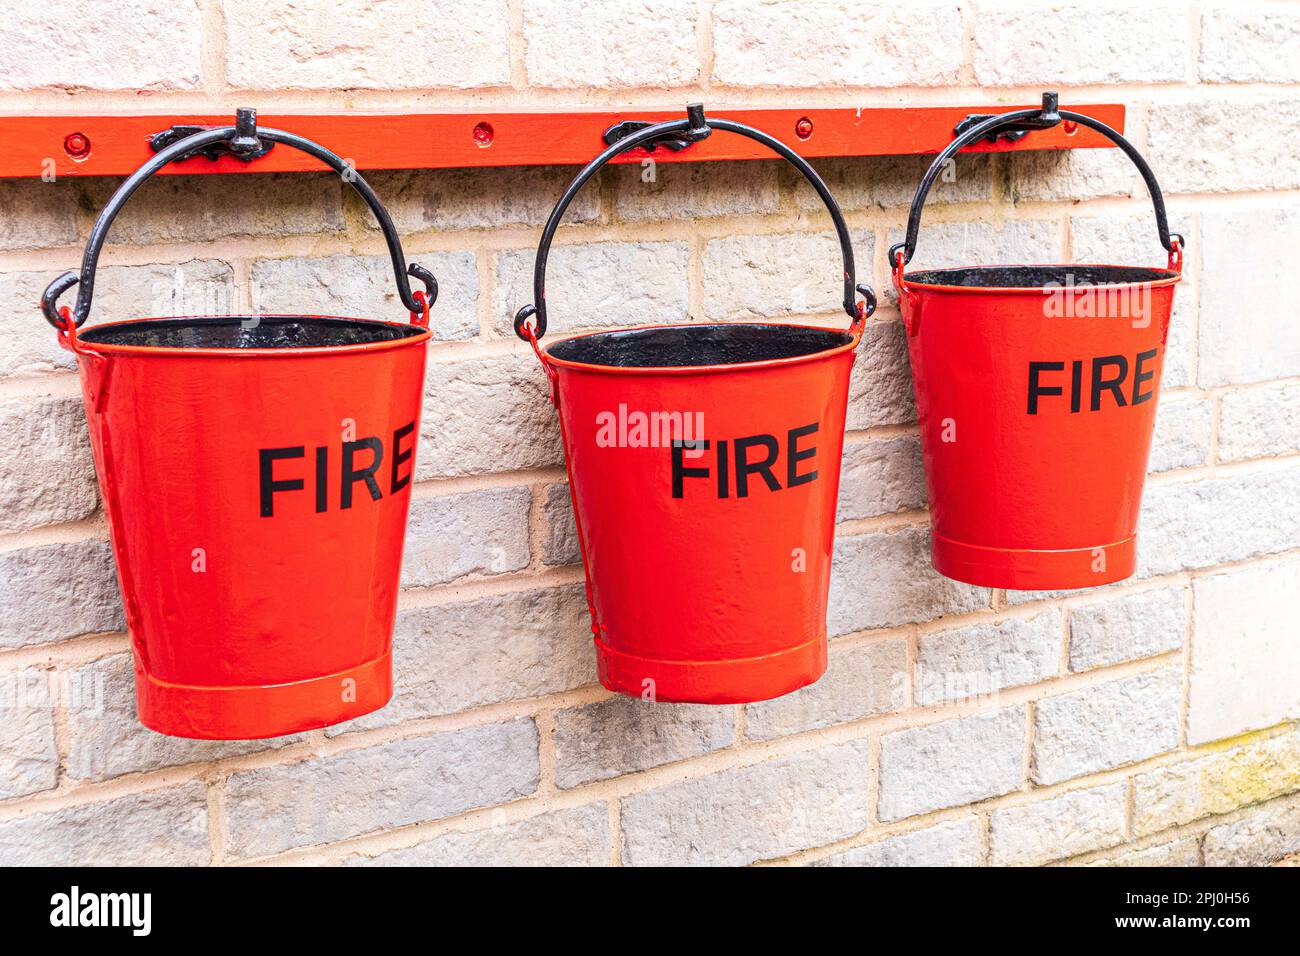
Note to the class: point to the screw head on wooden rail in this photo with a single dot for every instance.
(77, 145)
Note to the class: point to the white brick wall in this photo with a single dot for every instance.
(413, 44)
(1151, 722)
(1245, 658)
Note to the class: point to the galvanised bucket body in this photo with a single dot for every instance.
(1036, 416)
(1036, 391)
(256, 475)
(257, 502)
(708, 558)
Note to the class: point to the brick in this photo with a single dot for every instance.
(482, 198)
(769, 276)
(522, 644)
(577, 837)
(1130, 238)
(1259, 422)
(29, 760)
(197, 287)
(1264, 836)
(1184, 432)
(47, 474)
(597, 285)
(695, 190)
(746, 814)
(1016, 598)
(1107, 725)
(192, 288)
(1073, 823)
(880, 387)
(37, 214)
(1216, 782)
(1244, 334)
(1180, 349)
(478, 532)
(949, 244)
(887, 182)
(130, 45)
(956, 843)
(980, 659)
(818, 43)
(325, 799)
(155, 828)
(197, 208)
(1127, 627)
(951, 763)
(1244, 652)
(1114, 43)
(1184, 852)
(561, 545)
(1227, 146)
(1201, 523)
(859, 681)
(1072, 175)
(610, 45)
(881, 476)
(411, 45)
(29, 344)
(54, 591)
(364, 287)
(1249, 43)
(487, 415)
(107, 739)
(884, 579)
(624, 735)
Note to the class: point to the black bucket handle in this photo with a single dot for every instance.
(244, 139)
(692, 129)
(1043, 118)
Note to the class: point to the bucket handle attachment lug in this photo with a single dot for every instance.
(244, 140)
(530, 321)
(1025, 121)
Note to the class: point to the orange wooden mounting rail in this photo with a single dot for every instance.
(109, 145)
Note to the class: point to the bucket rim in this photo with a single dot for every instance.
(849, 346)
(1170, 277)
(114, 348)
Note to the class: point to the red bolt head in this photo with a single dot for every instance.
(77, 145)
(1070, 127)
(804, 128)
(484, 134)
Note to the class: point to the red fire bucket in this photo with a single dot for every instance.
(704, 465)
(1036, 390)
(255, 472)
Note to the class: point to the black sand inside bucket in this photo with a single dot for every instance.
(694, 345)
(240, 332)
(1034, 277)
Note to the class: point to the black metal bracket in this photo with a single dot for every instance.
(1048, 118)
(245, 144)
(900, 253)
(673, 141)
(530, 321)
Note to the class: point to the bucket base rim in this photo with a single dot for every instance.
(1029, 569)
(253, 712)
(737, 681)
